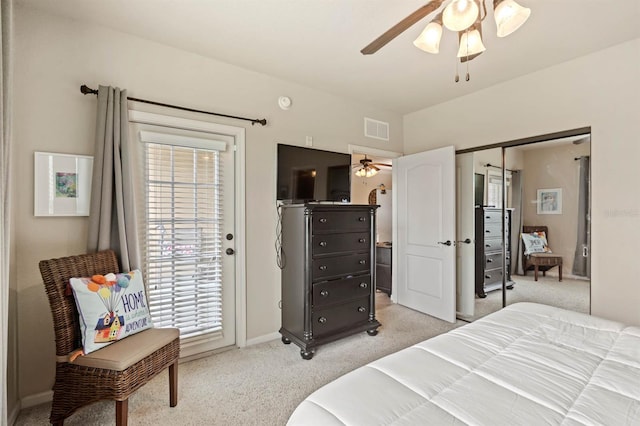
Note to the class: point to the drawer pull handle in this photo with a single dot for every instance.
(489, 260)
(323, 267)
(487, 276)
(362, 219)
(322, 320)
(361, 309)
(363, 285)
(487, 231)
(362, 261)
(323, 243)
(323, 220)
(362, 240)
(324, 293)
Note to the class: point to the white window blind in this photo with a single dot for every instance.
(183, 234)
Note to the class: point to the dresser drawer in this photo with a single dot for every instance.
(494, 216)
(493, 244)
(323, 221)
(383, 255)
(336, 291)
(493, 230)
(493, 261)
(492, 276)
(335, 243)
(335, 318)
(352, 264)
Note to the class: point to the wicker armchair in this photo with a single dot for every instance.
(113, 372)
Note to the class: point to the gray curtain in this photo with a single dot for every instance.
(112, 220)
(582, 258)
(7, 382)
(516, 222)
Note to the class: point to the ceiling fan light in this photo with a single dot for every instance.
(429, 38)
(367, 171)
(471, 43)
(460, 14)
(509, 16)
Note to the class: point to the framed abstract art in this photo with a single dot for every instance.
(62, 184)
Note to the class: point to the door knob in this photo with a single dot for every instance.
(446, 243)
(467, 241)
(230, 251)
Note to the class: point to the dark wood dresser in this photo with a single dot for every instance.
(328, 273)
(488, 224)
(383, 267)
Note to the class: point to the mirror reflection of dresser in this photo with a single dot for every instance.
(489, 243)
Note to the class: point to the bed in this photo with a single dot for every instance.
(527, 364)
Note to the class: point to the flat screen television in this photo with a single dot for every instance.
(307, 174)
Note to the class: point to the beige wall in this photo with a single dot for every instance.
(555, 167)
(601, 90)
(55, 56)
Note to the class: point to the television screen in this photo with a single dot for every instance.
(306, 174)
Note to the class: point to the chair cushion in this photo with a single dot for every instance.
(110, 307)
(125, 352)
(535, 242)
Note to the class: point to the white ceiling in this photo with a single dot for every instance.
(317, 43)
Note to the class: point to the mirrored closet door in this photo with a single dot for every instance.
(545, 199)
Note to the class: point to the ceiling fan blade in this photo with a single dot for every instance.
(401, 26)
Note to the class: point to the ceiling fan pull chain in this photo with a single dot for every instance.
(467, 77)
(457, 79)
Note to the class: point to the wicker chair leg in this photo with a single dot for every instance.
(122, 411)
(173, 384)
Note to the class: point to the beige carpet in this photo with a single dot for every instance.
(258, 385)
(569, 294)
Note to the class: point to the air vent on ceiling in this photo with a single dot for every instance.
(376, 129)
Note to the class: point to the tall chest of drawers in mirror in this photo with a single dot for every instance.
(489, 243)
(328, 273)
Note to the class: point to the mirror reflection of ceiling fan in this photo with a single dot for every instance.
(367, 168)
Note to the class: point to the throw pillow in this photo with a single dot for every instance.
(535, 242)
(111, 307)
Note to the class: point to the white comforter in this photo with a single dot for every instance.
(527, 364)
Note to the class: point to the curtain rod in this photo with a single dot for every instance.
(89, 91)
(498, 167)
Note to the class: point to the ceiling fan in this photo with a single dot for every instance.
(367, 168)
(462, 16)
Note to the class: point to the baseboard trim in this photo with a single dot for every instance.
(37, 399)
(13, 415)
(262, 339)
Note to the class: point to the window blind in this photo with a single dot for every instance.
(183, 235)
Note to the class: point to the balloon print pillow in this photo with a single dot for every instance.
(111, 307)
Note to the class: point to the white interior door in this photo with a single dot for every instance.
(465, 247)
(424, 249)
